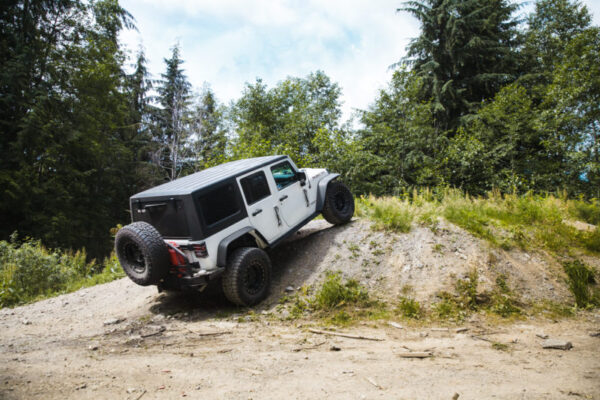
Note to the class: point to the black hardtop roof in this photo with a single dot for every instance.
(191, 183)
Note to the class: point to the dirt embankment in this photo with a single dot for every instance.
(123, 341)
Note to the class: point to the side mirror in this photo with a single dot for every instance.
(302, 177)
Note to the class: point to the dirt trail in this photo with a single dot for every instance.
(122, 341)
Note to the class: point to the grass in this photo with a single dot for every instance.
(507, 221)
(30, 272)
(581, 280)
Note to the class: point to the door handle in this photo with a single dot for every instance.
(255, 213)
(283, 198)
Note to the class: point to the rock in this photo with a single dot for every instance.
(556, 344)
(595, 334)
(26, 322)
(334, 348)
(542, 335)
(113, 321)
(285, 314)
(131, 390)
(461, 330)
(82, 386)
(395, 325)
(93, 347)
(289, 289)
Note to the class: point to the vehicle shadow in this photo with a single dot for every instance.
(293, 262)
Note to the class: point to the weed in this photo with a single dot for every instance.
(581, 277)
(341, 318)
(586, 211)
(355, 250)
(592, 240)
(499, 346)
(377, 252)
(335, 293)
(409, 308)
(438, 248)
(467, 289)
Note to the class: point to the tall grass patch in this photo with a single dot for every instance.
(30, 271)
(581, 279)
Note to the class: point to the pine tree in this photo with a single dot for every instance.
(465, 54)
(208, 128)
(172, 134)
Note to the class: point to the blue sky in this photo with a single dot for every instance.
(227, 43)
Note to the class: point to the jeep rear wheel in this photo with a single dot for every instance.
(142, 253)
(339, 203)
(247, 277)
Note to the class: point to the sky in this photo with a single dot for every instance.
(227, 43)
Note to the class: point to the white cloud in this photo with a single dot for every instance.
(229, 42)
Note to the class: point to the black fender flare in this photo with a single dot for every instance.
(322, 189)
(224, 244)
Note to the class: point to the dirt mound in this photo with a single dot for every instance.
(426, 261)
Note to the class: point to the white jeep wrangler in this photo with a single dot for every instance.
(218, 223)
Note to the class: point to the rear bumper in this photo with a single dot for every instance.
(182, 278)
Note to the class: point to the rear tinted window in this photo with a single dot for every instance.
(255, 187)
(168, 217)
(218, 203)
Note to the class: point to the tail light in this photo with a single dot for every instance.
(200, 250)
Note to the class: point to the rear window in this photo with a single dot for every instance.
(255, 187)
(218, 204)
(167, 216)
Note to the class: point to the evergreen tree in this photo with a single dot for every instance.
(465, 54)
(173, 117)
(64, 167)
(209, 131)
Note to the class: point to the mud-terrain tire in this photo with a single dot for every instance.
(339, 203)
(142, 253)
(247, 277)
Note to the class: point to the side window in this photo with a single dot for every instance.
(255, 187)
(218, 204)
(283, 174)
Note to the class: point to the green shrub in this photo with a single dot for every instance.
(581, 277)
(29, 271)
(592, 240)
(586, 211)
(335, 293)
(409, 308)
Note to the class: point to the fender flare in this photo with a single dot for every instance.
(224, 244)
(322, 190)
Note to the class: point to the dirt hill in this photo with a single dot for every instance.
(120, 340)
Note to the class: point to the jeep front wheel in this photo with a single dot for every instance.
(339, 203)
(247, 276)
(142, 253)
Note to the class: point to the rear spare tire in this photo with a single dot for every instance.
(247, 278)
(142, 253)
(339, 203)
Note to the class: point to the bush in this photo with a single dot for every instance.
(29, 271)
(580, 278)
(409, 308)
(335, 293)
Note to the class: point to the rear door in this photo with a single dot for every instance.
(261, 205)
(290, 195)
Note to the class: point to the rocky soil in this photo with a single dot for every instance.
(122, 341)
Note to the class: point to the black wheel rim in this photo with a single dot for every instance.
(254, 277)
(339, 201)
(135, 258)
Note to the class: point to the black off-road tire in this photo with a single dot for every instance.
(142, 253)
(247, 277)
(339, 203)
